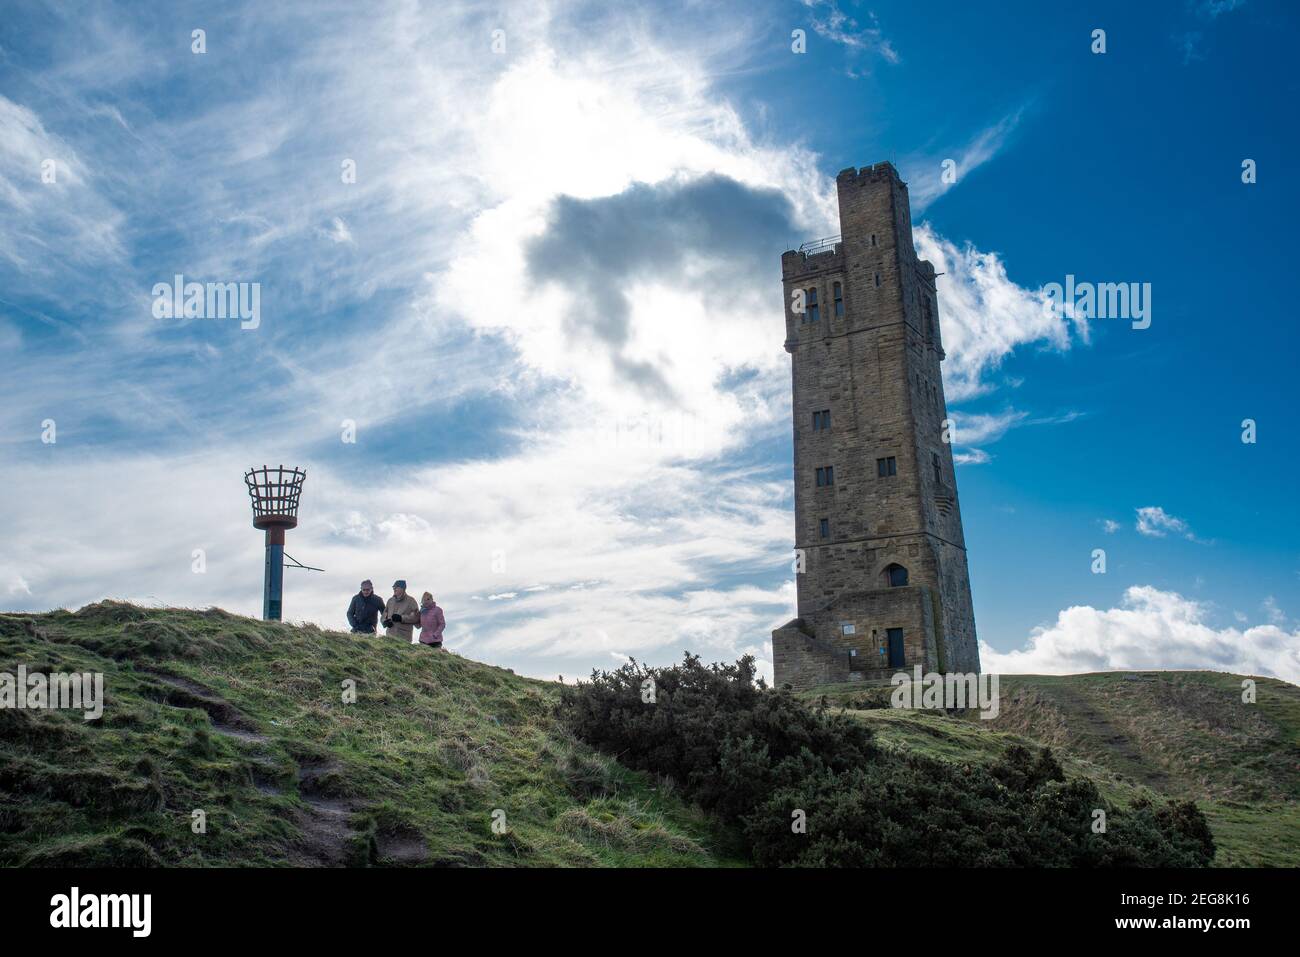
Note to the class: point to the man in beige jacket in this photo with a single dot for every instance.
(400, 613)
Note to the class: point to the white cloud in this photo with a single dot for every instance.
(1111, 526)
(354, 526)
(982, 428)
(1153, 630)
(1154, 522)
(985, 316)
(971, 457)
(338, 232)
(971, 430)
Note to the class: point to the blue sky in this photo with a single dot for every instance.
(550, 304)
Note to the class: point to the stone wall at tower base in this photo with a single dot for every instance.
(848, 639)
(800, 661)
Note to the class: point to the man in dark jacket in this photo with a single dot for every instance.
(364, 611)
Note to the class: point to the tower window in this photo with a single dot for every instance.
(839, 300)
(897, 575)
(886, 466)
(814, 311)
(938, 472)
(877, 277)
(825, 476)
(873, 239)
(824, 528)
(822, 420)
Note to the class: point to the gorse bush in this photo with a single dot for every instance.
(719, 734)
(756, 757)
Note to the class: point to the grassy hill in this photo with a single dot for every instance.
(246, 721)
(1173, 733)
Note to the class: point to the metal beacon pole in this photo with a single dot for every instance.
(275, 493)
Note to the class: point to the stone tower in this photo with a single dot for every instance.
(878, 532)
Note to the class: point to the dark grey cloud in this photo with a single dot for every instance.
(598, 248)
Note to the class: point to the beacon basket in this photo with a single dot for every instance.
(274, 493)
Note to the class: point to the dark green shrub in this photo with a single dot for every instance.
(763, 761)
(1019, 770)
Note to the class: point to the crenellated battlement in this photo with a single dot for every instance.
(884, 170)
(796, 264)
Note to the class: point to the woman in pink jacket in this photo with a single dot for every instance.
(432, 622)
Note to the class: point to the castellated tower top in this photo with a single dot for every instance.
(873, 251)
(875, 214)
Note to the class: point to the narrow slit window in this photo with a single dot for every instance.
(824, 527)
(814, 311)
(839, 300)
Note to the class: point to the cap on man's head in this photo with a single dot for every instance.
(400, 583)
(367, 582)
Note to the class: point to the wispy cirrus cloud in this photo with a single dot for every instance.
(1206, 11)
(1213, 9)
(982, 428)
(52, 210)
(833, 24)
(932, 175)
(970, 431)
